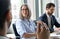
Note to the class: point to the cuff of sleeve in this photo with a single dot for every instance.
(22, 34)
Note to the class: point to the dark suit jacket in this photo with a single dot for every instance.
(53, 21)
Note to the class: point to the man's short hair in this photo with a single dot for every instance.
(49, 5)
(4, 8)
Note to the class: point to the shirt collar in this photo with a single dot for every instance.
(26, 20)
(48, 15)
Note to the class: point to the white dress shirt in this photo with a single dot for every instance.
(49, 20)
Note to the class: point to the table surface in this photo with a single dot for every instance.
(55, 35)
(11, 35)
(51, 35)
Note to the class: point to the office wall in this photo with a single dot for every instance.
(31, 4)
(38, 7)
(15, 7)
(43, 4)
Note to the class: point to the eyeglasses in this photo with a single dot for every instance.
(24, 9)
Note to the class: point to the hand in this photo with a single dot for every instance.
(57, 29)
(42, 31)
(11, 38)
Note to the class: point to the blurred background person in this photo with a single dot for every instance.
(49, 18)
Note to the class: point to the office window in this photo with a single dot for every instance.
(15, 7)
(31, 4)
(59, 7)
(15, 4)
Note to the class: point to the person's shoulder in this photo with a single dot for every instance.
(19, 20)
(43, 16)
(32, 21)
(53, 16)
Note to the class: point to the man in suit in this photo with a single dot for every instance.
(48, 18)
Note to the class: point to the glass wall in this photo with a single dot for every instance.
(59, 7)
(15, 4)
(37, 7)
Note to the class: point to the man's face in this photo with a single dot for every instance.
(50, 10)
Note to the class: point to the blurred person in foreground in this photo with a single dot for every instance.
(5, 18)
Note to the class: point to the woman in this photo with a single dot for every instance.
(26, 27)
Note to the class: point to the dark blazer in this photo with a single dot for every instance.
(53, 21)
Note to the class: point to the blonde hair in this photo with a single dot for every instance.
(29, 12)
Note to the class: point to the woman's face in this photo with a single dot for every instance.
(24, 11)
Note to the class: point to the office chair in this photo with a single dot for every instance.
(15, 31)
